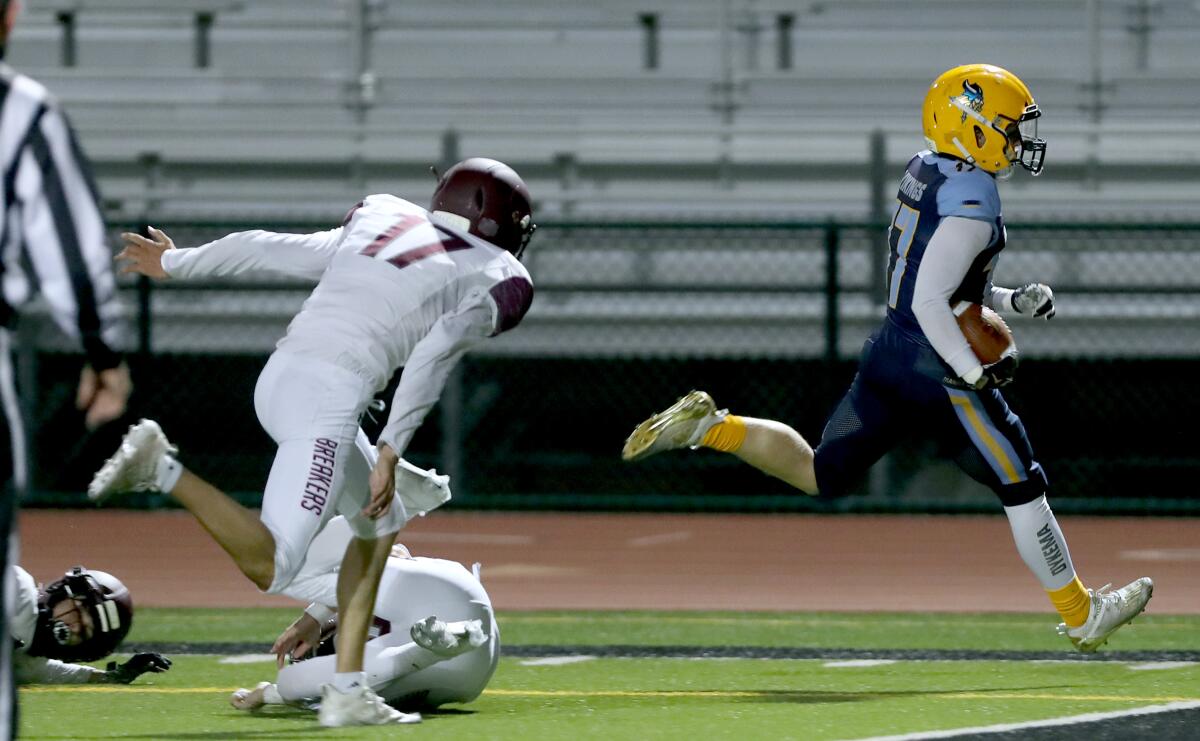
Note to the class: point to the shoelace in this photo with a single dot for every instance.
(376, 406)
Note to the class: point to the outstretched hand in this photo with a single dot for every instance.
(300, 638)
(138, 665)
(144, 256)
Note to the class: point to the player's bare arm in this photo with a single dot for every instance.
(144, 256)
(383, 482)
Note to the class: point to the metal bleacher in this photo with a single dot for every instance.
(267, 110)
(372, 92)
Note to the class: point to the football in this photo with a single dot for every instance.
(989, 336)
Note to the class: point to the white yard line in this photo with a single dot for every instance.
(556, 660)
(474, 538)
(1070, 720)
(678, 536)
(248, 659)
(1162, 554)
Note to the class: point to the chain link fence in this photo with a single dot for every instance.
(767, 316)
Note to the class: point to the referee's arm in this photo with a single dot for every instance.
(66, 242)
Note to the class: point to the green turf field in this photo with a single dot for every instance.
(678, 694)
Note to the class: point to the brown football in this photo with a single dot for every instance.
(986, 332)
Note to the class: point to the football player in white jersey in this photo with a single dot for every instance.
(398, 286)
(83, 616)
(435, 635)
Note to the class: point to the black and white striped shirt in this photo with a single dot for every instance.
(52, 234)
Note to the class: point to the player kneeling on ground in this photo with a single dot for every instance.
(437, 637)
(83, 616)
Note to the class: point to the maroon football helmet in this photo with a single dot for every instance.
(493, 199)
(107, 602)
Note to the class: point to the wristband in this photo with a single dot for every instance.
(321, 613)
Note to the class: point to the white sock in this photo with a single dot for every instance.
(1041, 544)
(169, 471)
(271, 695)
(345, 682)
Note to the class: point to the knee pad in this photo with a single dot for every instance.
(1024, 492)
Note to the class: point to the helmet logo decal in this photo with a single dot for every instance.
(971, 97)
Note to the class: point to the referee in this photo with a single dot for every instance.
(52, 242)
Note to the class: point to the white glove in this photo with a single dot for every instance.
(1035, 299)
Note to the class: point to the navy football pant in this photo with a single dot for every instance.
(899, 395)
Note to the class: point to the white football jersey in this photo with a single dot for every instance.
(395, 289)
(21, 604)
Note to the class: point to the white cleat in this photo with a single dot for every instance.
(448, 639)
(1110, 610)
(134, 467)
(681, 425)
(359, 707)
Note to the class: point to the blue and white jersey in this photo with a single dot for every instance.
(934, 187)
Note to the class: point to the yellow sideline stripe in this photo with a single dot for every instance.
(57, 689)
(892, 621)
(830, 694)
(121, 689)
(659, 693)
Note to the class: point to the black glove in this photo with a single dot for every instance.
(998, 374)
(137, 665)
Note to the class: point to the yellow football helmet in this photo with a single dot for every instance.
(984, 115)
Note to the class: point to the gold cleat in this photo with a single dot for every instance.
(681, 425)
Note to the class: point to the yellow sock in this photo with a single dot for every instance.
(1072, 602)
(726, 435)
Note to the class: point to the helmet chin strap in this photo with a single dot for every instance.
(970, 159)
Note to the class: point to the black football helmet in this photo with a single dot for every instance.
(106, 601)
(493, 199)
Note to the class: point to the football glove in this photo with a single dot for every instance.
(1035, 299)
(138, 665)
(996, 375)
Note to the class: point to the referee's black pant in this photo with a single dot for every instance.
(12, 476)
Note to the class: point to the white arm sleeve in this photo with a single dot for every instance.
(291, 255)
(953, 247)
(37, 670)
(998, 299)
(429, 366)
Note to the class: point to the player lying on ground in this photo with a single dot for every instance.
(438, 641)
(83, 616)
(397, 286)
(918, 376)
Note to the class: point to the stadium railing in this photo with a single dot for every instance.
(767, 316)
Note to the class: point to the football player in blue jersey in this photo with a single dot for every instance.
(918, 376)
